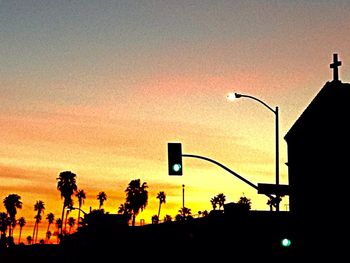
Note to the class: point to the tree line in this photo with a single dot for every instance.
(136, 201)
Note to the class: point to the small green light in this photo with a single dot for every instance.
(176, 167)
(285, 242)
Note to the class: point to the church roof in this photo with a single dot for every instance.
(328, 110)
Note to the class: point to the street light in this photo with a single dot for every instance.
(232, 96)
(70, 208)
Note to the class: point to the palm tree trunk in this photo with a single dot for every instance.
(62, 217)
(160, 204)
(79, 214)
(34, 230)
(20, 233)
(65, 222)
(133, 219)
(48, 228)
(37, 230)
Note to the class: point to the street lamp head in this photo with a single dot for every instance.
(70, 208)
(232, 96)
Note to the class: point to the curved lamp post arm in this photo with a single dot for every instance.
(256, 99)
(76, 208)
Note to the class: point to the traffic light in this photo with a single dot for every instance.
(174, 158)
(286, 242)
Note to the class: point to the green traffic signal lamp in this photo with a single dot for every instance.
(286, 242)
(176, 167)
(174, 159)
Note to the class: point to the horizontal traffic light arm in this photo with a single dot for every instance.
(227, 169)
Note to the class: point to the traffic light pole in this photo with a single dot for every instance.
(227, 169)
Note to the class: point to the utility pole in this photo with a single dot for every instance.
(183, 196)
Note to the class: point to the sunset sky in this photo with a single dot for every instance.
(99, 88)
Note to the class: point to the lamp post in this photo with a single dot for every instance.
(183, 196)
(69, 208)
(233, 96)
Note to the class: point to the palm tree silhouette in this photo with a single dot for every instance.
(125, 210)
(273, 202)
(168, 218)
(136, 197)
(218, 200)
(221, 200)
(214, 201)
(122, 209)
(58, 224)
(101, 197)
(81, 197)
(39, 207)
(21, 222)
(162, 198)
(48, 236)
(184, 214)
(71, 223)
(155, 219)
(66, 184)
(36, 226)
(50, 219)
(244, 202)
(29, 240)
(4, 223)
(11, 203)
(68, 203)
(270, 203)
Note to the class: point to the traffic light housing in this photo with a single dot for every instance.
(174, 158)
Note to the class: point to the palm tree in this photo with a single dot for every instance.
(244, 202)
(214, 201)
(162, 198)
(58, 224)
(122, 209)
(48, 236)
(50, 219)
(221, 200)
(155, 219)
(39, 207)
(168, 218)
(81, 197)
(270, 203)
(69, 203)
(185, 213)
(29, 240)
(71, 223)
(136, 197)
(11, 203)
(273, 202)
(4, 223)
(125, 210)
(66, 184)
(21, 222)
(101, 197)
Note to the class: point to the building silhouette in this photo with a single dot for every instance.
(318, 167)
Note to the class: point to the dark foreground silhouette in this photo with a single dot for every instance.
(250, 235)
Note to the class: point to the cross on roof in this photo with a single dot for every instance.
(335, 66)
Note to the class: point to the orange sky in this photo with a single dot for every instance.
(99, 89)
